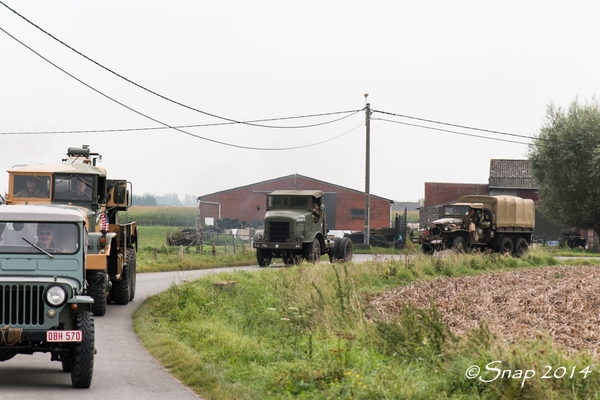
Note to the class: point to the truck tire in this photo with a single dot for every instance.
(426, 249)
(344, 250)
(458, 244)
(131, 261)
(506, 246)
(83, 353)
(263, 257)
(332, 252)
(121, 289)
(312, 251)
(97, 291)
(520, 247)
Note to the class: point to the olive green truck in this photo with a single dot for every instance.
(502, 224)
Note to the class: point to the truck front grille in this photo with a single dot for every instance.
(279, 231)
(22, 304)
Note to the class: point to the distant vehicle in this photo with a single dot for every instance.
(296, 230)
(502, 224)
(79, 184)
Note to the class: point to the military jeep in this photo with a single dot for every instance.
(296, 230)
(43, 307)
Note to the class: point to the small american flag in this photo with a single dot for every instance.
(104, 222)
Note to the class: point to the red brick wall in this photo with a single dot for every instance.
(248, 203)
(440, 193)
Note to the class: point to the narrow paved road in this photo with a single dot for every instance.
(123, 369)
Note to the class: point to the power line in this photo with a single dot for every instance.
(536, 139)
(353, 112)
(454, 125)
(449, 131)
(158, 121)
(153, 92)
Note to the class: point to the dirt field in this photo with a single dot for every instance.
(562, 302)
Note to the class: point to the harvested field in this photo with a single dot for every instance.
(562, 303)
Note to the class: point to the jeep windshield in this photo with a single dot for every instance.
(38, 237)
(288, 202)
(456, 210)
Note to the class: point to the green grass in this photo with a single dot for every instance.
(155, 256)
(308, 332)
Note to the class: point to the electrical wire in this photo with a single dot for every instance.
(539, 140)
(156, 120)
(454, 125)
(158, 94)
(449, 131)
(176, 126)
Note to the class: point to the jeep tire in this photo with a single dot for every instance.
(83, 353)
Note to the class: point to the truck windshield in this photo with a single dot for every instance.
(74, 187)
(30, 237)
(32, 186)
(456, 210)
(288, 201)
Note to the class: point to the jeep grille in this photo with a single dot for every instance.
(22, 304)
(279, 231)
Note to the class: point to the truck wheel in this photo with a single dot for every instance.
(97, 291)
(131, 261)
(520, 247)
(332, 252)
(83, 354)
(263, 257)
(312, 251)
(121, 289)
(506, 246)
(344, 250)
(426, 249)
(458, 244)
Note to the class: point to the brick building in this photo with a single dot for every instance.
(344, 206)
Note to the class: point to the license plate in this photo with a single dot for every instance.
(63, 336)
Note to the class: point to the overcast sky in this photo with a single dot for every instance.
(494, 66)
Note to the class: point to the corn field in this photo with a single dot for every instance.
(184, 217)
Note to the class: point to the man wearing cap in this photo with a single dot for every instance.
(32, 190)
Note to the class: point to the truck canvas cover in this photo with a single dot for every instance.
(511, 211)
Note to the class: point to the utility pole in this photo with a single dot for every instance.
(367, 170)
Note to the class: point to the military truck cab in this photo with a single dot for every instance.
(296, 230)
(43, 302)
(80, 184)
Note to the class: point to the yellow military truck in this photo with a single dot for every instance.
(78, 183)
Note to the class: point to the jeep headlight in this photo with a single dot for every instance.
(56, 296)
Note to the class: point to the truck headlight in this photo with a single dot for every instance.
(258, 236)
(56, 296)
(301, 218)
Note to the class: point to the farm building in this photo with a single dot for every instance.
(245, 206)
(506, 177)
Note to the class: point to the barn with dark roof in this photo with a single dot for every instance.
(345, 207)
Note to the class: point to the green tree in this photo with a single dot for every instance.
(565, 162)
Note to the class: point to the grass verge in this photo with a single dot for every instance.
(310, 332)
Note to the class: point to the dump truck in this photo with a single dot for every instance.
(43, 302)
(78, 183)
(502, 224)
(296, 230)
